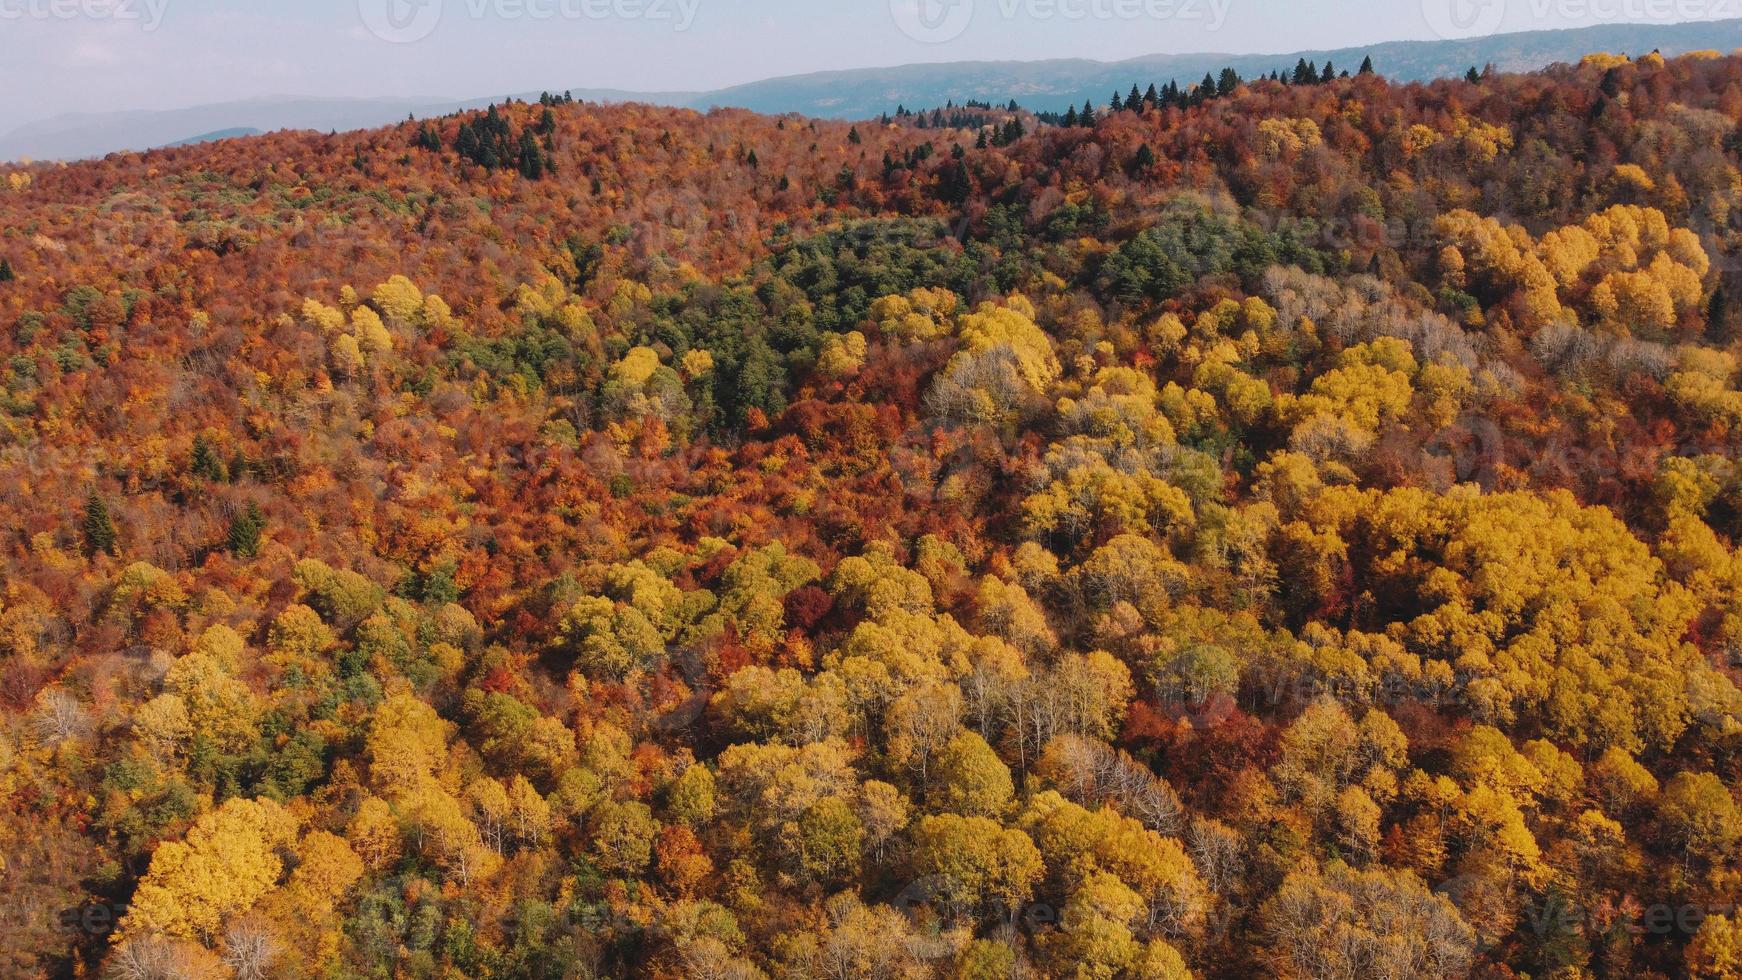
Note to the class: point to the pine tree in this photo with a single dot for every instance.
(1367, 65)
(1088, 115)
(1305, 73)
(1145, 158)
(1329, 74)
(1229, 81)
(6, 273)
(1472, 76)
(1134, 101)
(99, 528)
(1071, 116)
(1116, 105)
(245, 531)
(1151, 98)
(1718, 316)
(530, 157)
(204, 462)
(853, 136)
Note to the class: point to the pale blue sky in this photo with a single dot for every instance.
(91, 55)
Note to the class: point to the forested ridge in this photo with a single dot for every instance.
(1280, 527)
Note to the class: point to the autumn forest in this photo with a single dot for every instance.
(1259, 527)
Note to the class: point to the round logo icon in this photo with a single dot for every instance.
(1458, 20)
(400, 21)
(932, 21)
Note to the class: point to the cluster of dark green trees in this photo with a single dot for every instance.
(490, 142)
(972, 114)
(1213, 86)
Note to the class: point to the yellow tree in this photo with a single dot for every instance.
(227, 862)
(406, 742)
(971, 864)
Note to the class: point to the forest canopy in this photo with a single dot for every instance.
(1278, 527)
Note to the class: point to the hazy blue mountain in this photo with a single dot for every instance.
(1056, 85)
(867, 92)
(222, 134)
(78, 135)
(93, 134)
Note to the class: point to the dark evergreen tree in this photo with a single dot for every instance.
(204, 462)
(1610, 86)
(853, 136)
(954, 185)
(1134, 101)
(1145, 159)
(1367, 65)
(1228, 82)
(530, 159)
(6, 273)
(99, 528)
(245, 530)
(1718, 316)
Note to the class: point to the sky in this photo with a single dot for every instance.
(59, 56)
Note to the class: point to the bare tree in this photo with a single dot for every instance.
(59, 718)
(250, 947)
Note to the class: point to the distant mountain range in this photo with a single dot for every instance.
(868, 92)
(222, 134)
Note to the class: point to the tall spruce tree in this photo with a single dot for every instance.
(245, 530)
(204, 462)
(98, 526)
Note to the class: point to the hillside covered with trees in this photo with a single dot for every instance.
(1281, 527)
